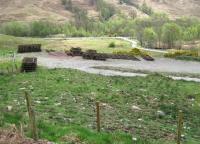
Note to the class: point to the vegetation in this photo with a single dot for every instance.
(9, 44)
(171, 34)
(146, 9)
(106, 10)
(157, 31)
(64, 101)
(140, 110)
(150, 37)
(177, 53)
(112, 45)
(189, 55)
(132, 52)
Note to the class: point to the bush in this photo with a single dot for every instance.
(15, 28)
(146, 9)
(112, 45)
(121, 52)
(133, 52)
(44, 28)
(37, 28)
(179, 53)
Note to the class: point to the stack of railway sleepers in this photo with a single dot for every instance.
(29, 48)
(29, 64)
(125, 57)
(147, 57)
(75, 51)
(93, 55)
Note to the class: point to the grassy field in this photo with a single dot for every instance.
(101, 45)
(64, 101)
(10, 43)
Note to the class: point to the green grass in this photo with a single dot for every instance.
(64, 101)
(101, 45)
(8, 44)
(9, 66)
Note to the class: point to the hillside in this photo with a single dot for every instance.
(28, 10)
(175, 8)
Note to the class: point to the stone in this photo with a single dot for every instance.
(9, 108)
(136, 108)
(134, 139)
(160, 114)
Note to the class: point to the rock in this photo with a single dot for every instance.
(9, 108)
(57, 104)
(136, 108)
(134, 139)
(38, 102)
(160, 114)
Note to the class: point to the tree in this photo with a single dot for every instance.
(158, 20)
(140, 25)
(15, 28)
(198, 31)
(171, 34)
(150, 37)
(81, 18)
(133, 14)
(146, 9)
(106, 10)
(69, 5)
(191, 33)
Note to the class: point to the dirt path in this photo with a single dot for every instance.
(159, 65)
(134, 45)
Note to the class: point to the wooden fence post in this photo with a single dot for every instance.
(21, 129)
(31, 117)
(98, 116)
(180, 126)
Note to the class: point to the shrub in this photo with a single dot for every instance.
(171, 34)
(146, 9)
(36, 28)
(15, 28)
(178, 53)
(121, 52)
(133, 52)
(64, 2)
(112, 45)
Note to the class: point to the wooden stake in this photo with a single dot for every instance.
(8, 70)
(21, 129)
(31, 117)
(98, 116)
(16, 68)
(180, 126)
